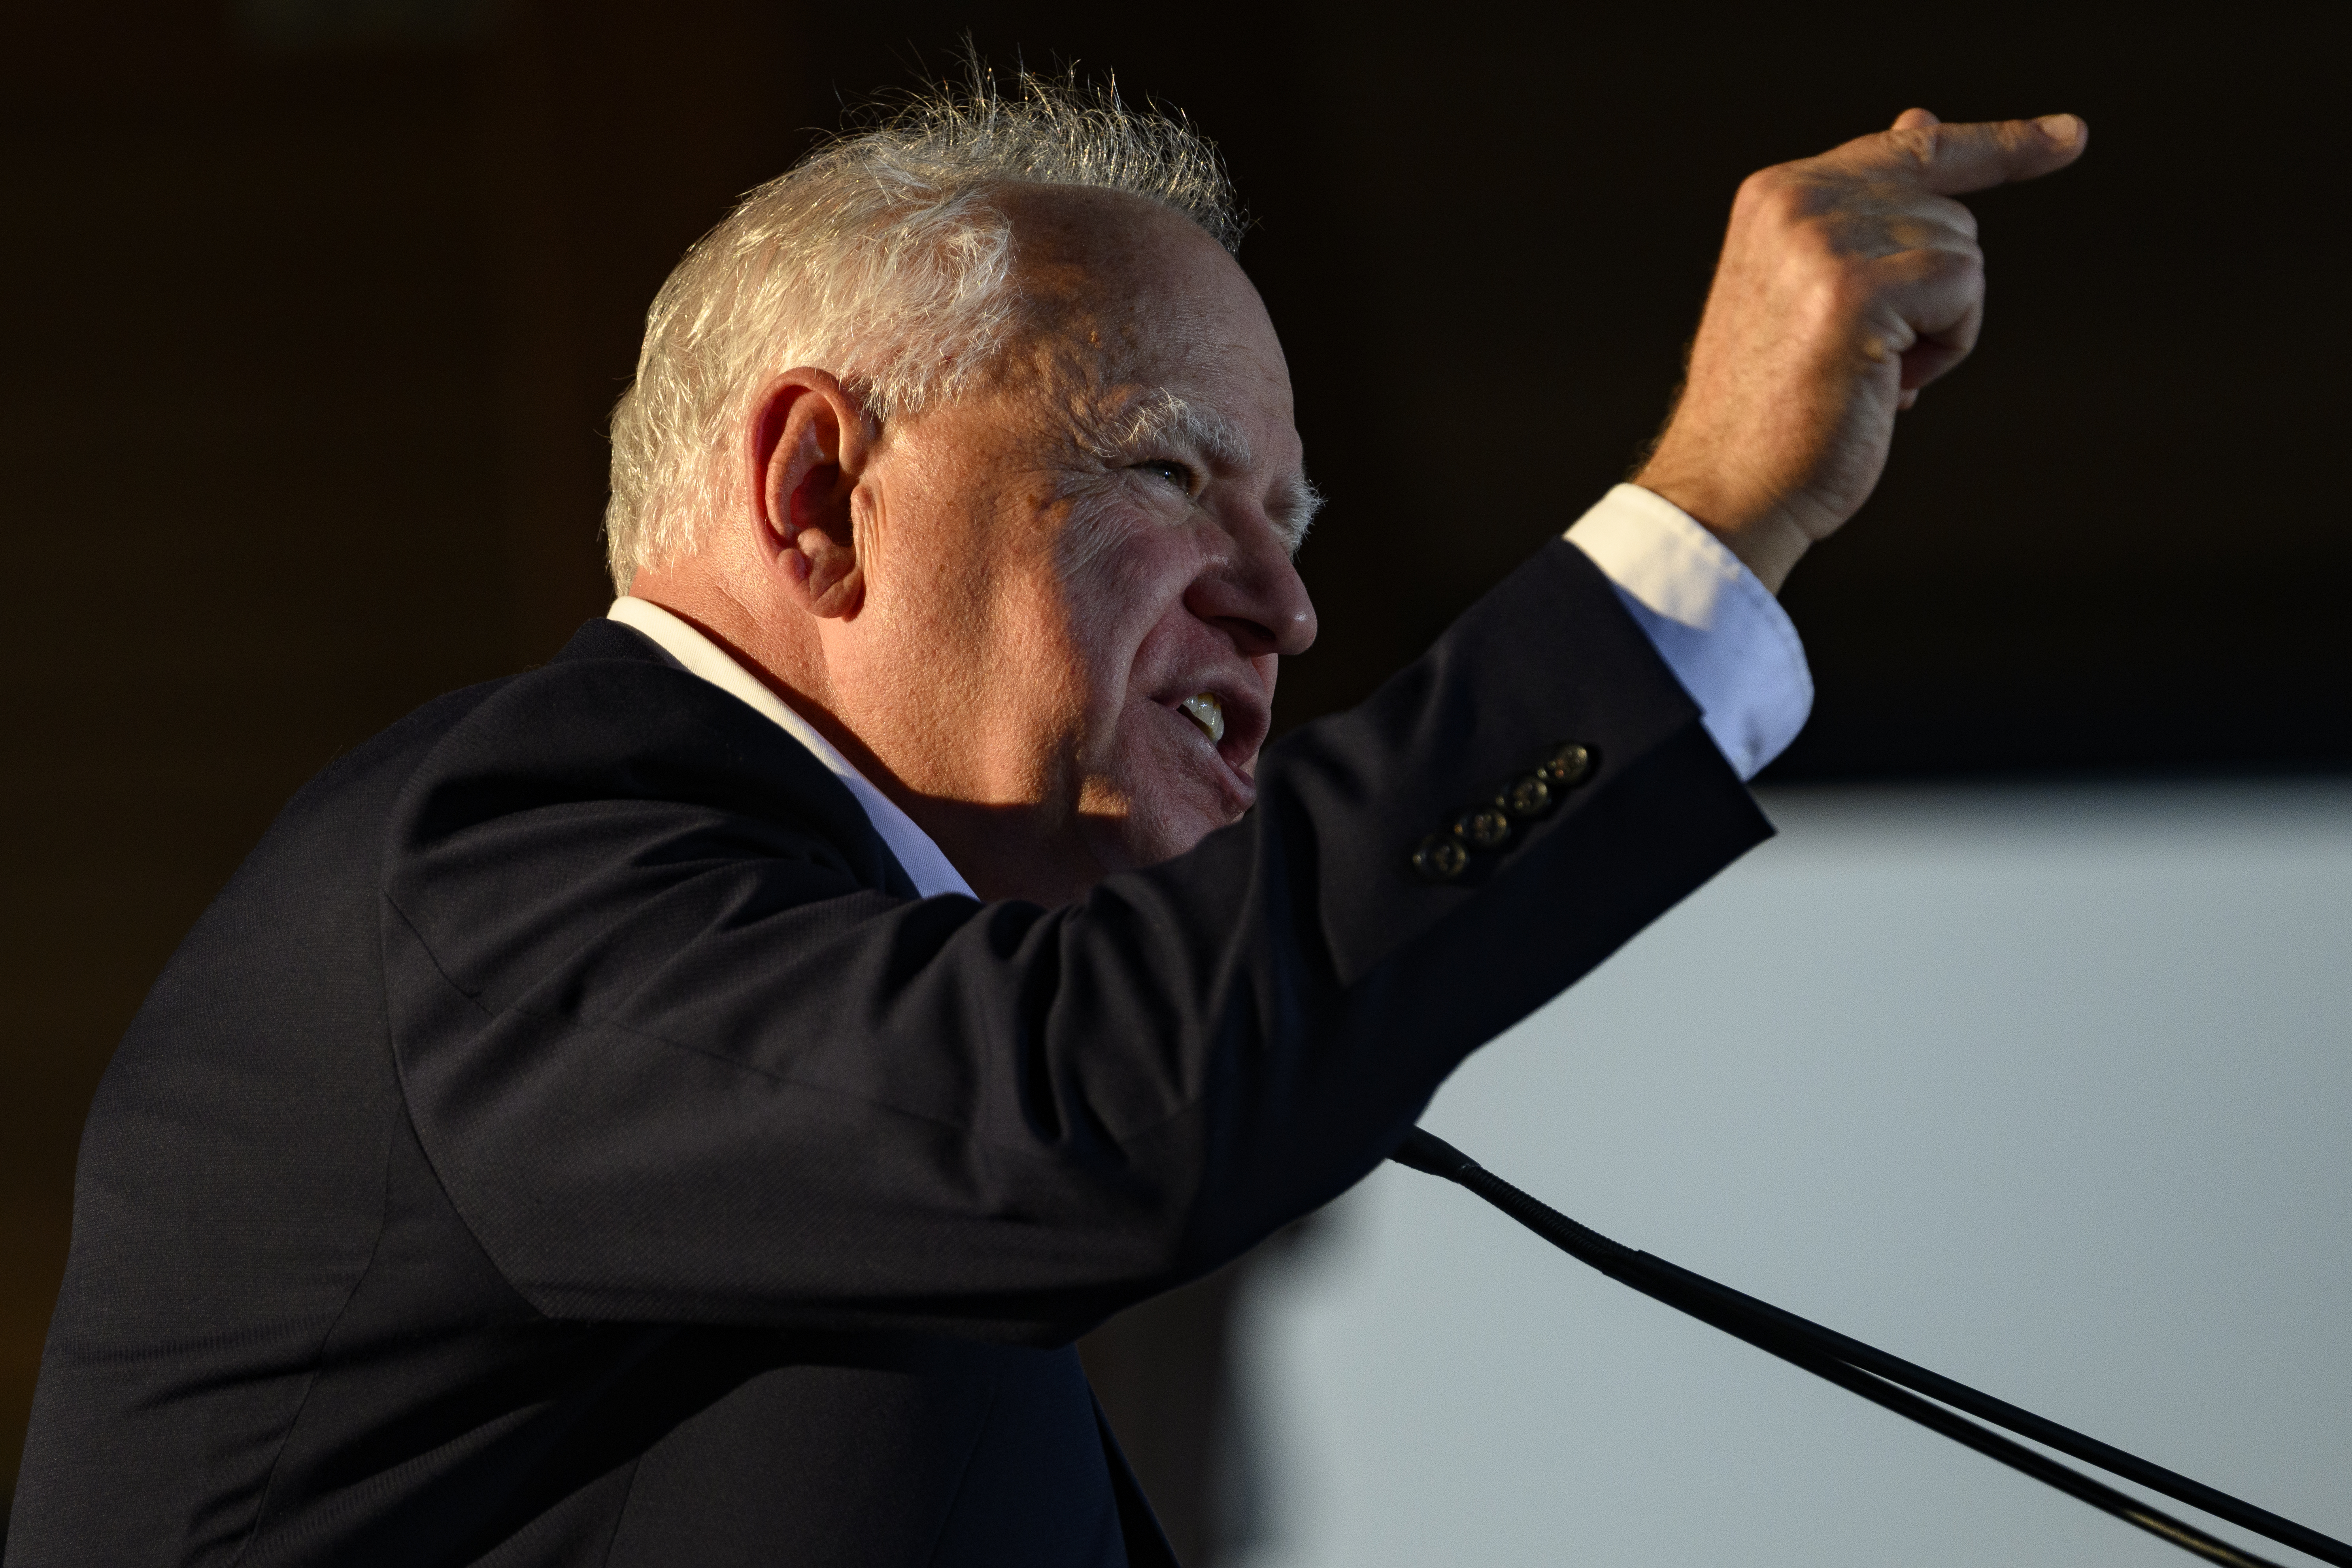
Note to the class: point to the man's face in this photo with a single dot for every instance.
(1079, 579)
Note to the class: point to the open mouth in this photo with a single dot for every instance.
(1205, 709)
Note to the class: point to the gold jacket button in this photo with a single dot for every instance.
(1440, 858)
(1570, 764)
(1484, 828)
(1523, 798)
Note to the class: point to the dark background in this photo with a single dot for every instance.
(315, 311)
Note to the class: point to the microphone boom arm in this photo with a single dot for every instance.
(1889, 1380)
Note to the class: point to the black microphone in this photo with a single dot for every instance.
(1889, 1380)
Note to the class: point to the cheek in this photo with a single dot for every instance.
(1149, 758)
(1124, 602)
(1052, 657)
(1043, 665)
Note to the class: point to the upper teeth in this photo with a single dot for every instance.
(1204, 709)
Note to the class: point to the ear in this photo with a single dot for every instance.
(808, 445)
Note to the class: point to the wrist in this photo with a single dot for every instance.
(1768, 540)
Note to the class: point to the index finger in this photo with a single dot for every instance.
(1952, 159)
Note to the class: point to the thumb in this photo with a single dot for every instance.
(1951, 160)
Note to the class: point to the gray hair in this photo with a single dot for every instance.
(881, 258)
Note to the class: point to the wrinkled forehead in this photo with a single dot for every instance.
(1120, 291)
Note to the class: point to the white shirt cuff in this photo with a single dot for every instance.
(1720, 631)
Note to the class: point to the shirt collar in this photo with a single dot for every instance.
(925, 865)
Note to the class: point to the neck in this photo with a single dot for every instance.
(761, 644)
(998, 848)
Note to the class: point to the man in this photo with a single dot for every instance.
(678, 1106)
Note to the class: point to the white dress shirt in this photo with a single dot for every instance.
(1720, 631)
(922, 860)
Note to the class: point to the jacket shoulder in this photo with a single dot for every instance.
(611, 722)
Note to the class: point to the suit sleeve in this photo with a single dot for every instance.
(674, 1058)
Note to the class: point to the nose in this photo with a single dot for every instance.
(1254, 595)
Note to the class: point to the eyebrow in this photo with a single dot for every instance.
(1294, 513)
(1162, 417)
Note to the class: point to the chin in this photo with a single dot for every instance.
(1168, 802)
(1154, 831)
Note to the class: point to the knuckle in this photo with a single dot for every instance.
(1776, 194)
(1917, 144)
(1958, 263)
(1759, 190)
(1954, 216)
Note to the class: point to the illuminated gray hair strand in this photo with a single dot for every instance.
(882, 259)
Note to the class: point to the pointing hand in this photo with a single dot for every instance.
(1847, 283)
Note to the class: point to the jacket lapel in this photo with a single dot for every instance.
(806, 782)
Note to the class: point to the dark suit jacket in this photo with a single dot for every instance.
(568, 1141)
